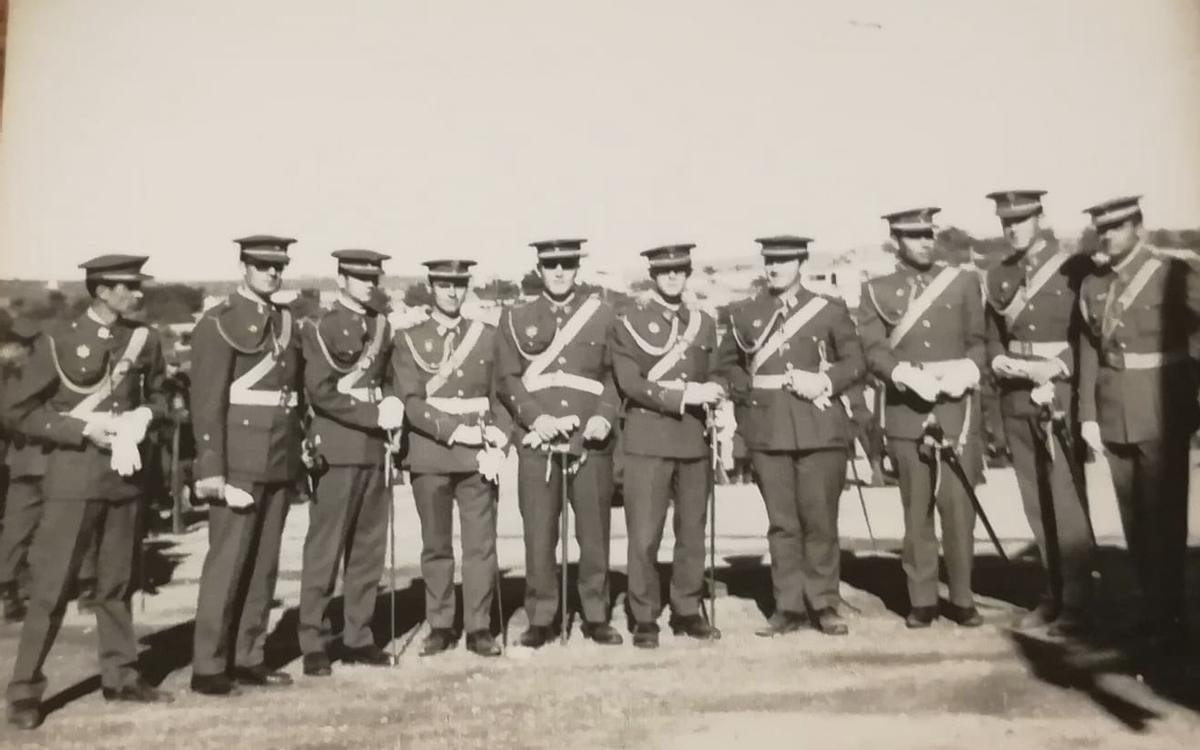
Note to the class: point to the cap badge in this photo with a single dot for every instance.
(82, 351)
(653, 327)
(531, 331)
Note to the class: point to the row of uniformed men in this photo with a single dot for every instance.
(552, 378)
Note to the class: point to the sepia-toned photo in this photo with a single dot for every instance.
(663, 375)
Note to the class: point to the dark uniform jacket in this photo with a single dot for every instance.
(643, 341)
(23, 456)
(1133, 399)
(775, 419)
(576, 380)
(246, 380)
(85, 366)
(346, 360)
(1044, 325)
(458, 362)
(951, 328)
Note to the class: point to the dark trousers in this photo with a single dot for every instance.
(919, 555)
(1048, 493)
(66, 529)
(237, 582)
(22, 512)
(347, 526)
(1151, 482)
(590, 492)
(650, 484)
(801, 490)
(435, 495)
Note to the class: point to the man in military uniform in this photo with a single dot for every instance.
(794, 354)
(457, 434)
(665, 363)
(556, 380)
(1137, 399)
(866, 430)
(25, 461)
(923, 332)
(247, 376)
(346, 353)
(1032, 336)
(90, 390)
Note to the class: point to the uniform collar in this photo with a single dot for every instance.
(565, 304)
(444, 322)
(671, 307)
(345, 301)
(1130, 262)
(91, 314)
(244, 292)
(1033, 257)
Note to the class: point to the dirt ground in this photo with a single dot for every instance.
(882, 685)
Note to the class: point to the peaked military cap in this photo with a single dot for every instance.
(784, 246)
(912, 220)
(360, 262)
(265, 247)
(1115, 211)
(1017, 204)
(115, 267)
(669, 256)
(558, 249)
(452, 269)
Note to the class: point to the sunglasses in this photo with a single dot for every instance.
(265, 265)
(568, 264)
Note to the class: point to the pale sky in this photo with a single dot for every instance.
(425, 129)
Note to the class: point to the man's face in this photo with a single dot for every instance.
(558, 275)
(1021, 233)
(124, 297)
(448, 295)
(916, 248)
(1116, 241)
(782, 273)
(670, 282)
(358, 288)
(263, 277)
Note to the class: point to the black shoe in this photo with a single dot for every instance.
(260, 676)
(602, 633)
(438, 640)
(138, 692)
(782, 623)
(371, 656)
(536, 636)
(645, 635)
(213, 684)
(317, 664)
(14, 606)
(920, 617)
(25, 713)
(966, 617)
(830, 622)
(481, 642)
(695, 626)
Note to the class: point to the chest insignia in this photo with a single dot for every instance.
(531, 331)
(756, 323)
(253, 328)
(82, 351)
(428, 345)
(104, 333)
(900, 292)
(654, 328)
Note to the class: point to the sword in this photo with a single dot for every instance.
(945, 449)
(562, 450)
(391, 521)
(822, 352)
(710, 426)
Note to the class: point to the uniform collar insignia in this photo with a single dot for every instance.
(560, 305)
(104, 327)
(444, 322)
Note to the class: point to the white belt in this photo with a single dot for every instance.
(1047, 349)
(366, 394)
(769, 382)
(1152, 360)
(560, 379)
(671, 385)
(460, 406)
(254, 397)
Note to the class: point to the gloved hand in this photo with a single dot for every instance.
(1010, 367)
(566, 425)
(1046, 370)
(1090, 432)
(545, 427)
(134, 423)
(100, 431)
(490, 460)
(126, 460)
(696, 394)
(236, 497)
(907, 377)
(1043, 394)
(467, 435)
(495, 437)
(810, 386)
(210, 488)
(959, 378)
(391, 413)
(597, 429)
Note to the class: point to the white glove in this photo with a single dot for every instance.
(905, 376)
(391, 413)
(1043, 394)
(545, 427)
(467, 435)
(810, 386)
(126, 460)
(597, 429)
(1046, 370)
(566, 425)
(210, 488)
(1010, 367)
(495, 437)
(1090, 432)
(490, 461)
(236, 497)
(100, 431)
(134, 423)
(959, 378)
(696, 394)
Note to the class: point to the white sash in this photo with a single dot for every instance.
(242, 391)
(672, 357)
(645, 345)
(114, 377)
(921, 304)
(1027, 292)
(449, 365)
(786, 331)
(348, 383)
(1130, 293)
(562, 338)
